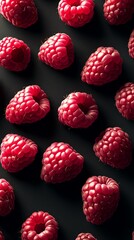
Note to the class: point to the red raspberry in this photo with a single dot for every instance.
(60, 163)
(28, 105)
(2, 236)
(131, 44)
(21, 13)
(14, 54)
(40, 225)
(124, 100)
(57, 51)
(17, 152)
(7, 197)
(118, 12)
(103, 66)
(100, 196)
(76, 13)
(78, 110)
(133, 235)
(85, 236)
(113, 147)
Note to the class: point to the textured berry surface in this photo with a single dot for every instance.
(85, 236)
(40, 225)
(17, 152)
(14, 54)
(118, 12)
(1, 236)
(103, 66)
(78, 110)
(28, 105)
(114, 147)
(131, 44)
(21, 13)
(7, 197)
(57, 51)
(76, 13)
(60, 163)
(124, 100)
(100, 195)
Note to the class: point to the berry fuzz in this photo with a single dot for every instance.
(60, 163)
(85, 236)
(78, 110)
(131, 44)
(29, 105)
(100, 195)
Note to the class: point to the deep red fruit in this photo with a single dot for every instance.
(85, 236)
(76, 13)
(118, 12)
(100, 195)
(40, 225)
(103, 66)
(57, 51)
(78, 110)
(124, 100)
(60, 163)
(2, 236)
(114, 147)
(21, 13)
(14, 54)
(17, 152)
(29, 105)
(131, 44)
(7, 197)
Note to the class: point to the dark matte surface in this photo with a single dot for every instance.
(63, 201)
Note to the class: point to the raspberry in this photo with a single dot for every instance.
(14, 54)
(76, 13)
(103, 66)
(78, 110)
(57, 51)
(131, 44)
(7, 197)
(100, 195)
(114, 147)
(60, 163)
(133, 235)
(124, 100)
(2, 236)
(118, 12)
(28, 105)
(20, 13)
(17, 152)
(85, 236)
(40, 225)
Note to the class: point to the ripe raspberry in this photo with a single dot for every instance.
(14, 54)
(2, 236)
(124, 100)
(118, 12)
(100, 196)
(113, 147)
(20, 13)
(57, 51)
(85, 236)
(17, 152)
(28, 105)
(40, 225)
(76, 13)
(60, 163)
(78, 110)
(131, 44)
(7, 197)
(103, 66)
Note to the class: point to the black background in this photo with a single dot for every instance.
(63, 201)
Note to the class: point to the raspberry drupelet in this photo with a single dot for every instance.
(2, 236)
(103, 66)
(76, 13)
(100, 195)
(78, 110)
(20, 13)
(131, 44)
(57, 51)
(60, 163)
(113, 146)
(14, 54)
(29, 105)
(85, 236)
(40, 225)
